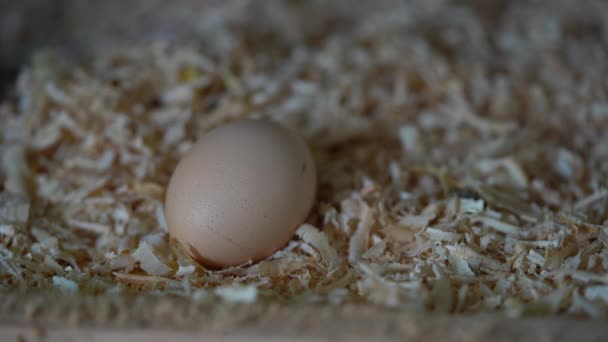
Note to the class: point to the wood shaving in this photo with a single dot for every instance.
(65, 284)
(462, 162)
(237, 294)
(311, 235)
(149, 261)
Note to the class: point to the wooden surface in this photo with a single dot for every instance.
(324, 323)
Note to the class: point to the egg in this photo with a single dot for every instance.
(240, 192)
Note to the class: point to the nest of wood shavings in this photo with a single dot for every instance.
(462, 162)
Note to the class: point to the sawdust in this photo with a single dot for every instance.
(462, 165)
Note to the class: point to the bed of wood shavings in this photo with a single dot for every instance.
(462, 162)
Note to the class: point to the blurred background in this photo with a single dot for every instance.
(80, 27)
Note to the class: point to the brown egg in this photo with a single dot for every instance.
(240, 192)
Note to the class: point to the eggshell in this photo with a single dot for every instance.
(240, 192)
